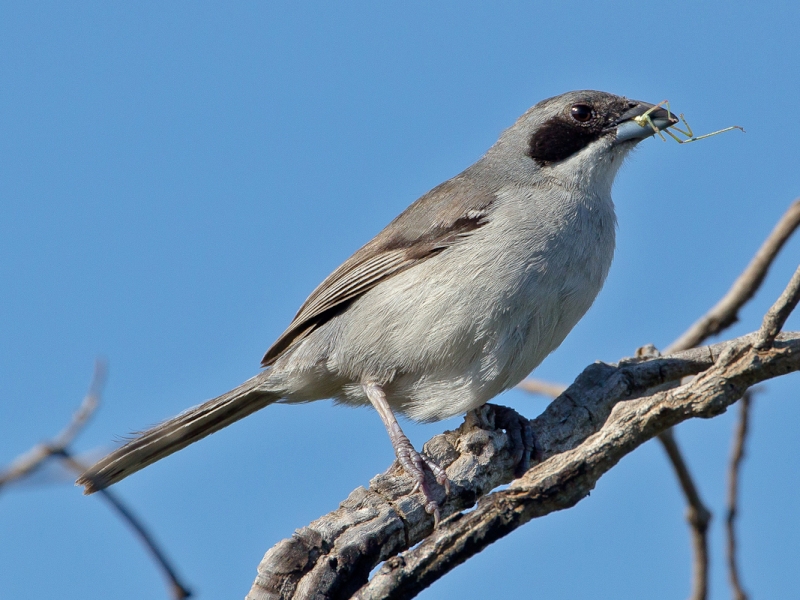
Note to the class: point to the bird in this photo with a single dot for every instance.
(457, 299)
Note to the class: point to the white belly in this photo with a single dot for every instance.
(456, 330)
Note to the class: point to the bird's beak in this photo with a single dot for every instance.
(629, 128)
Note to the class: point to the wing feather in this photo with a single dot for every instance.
(430, 225)
(350, 284)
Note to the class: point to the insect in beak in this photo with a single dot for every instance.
(644, 120)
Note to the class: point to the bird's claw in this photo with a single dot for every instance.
(518, 429)
(414, 464)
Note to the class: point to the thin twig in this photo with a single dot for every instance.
(721, 316)
(58, 448)
(737, 455)
(725, 312)
(541, 387)
(778, 313)
(31, 460)
(697, 515)
(87, 408)
(177, 589)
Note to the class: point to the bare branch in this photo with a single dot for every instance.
(697, 515)
(177, 589)
(58, 448)
(31, 460)
(332, 557)
(541, 387)
(777, 314)
(565, 478)
(737, 455)
(86, 409)
(25, 464)
(721, 316)
(725, 312)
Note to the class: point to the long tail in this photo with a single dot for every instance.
(170, 436)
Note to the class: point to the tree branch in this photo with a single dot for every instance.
(777, 314)
(698, 516)
(178, 591)
(541, 387)
(58, 448)
(565, 478)
(721, 316)
(332, 557)
(31, 460)
(737, 455)
(725, 312)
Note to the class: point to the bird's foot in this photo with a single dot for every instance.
(412, 461)
(518, 429)
(414, 464)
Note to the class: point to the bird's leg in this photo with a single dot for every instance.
(412, 461)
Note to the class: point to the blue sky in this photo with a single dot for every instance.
(176, 178)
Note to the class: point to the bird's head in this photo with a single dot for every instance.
(579, 138)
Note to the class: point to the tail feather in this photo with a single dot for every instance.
(177, 433)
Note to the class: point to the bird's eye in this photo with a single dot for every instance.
(582, 113)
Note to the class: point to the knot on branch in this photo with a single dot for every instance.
(699, 518)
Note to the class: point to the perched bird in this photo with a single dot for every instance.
(457, 299)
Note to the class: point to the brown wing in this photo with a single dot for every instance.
(431, 224)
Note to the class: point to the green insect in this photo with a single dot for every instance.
(645, 120)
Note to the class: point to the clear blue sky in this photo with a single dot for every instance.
(175, 178)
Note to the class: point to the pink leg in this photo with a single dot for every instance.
(412, 461)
